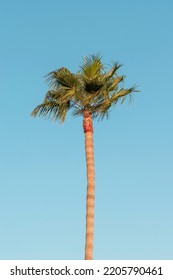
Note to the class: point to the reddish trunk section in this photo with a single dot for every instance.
(87, 122)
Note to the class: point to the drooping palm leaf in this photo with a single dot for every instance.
(61, 77)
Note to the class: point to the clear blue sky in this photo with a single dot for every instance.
(42, 163)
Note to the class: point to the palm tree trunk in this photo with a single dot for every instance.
(89, 150)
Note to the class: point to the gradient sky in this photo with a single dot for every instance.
(42, 163)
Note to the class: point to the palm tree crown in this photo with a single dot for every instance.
(92, 89)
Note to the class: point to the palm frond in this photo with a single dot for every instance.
(52, 110)
(92, 67)
(123, 92)
(61, 77)
(114, 83)
(112, 71)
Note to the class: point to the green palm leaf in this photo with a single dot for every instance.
(61, 77)
(112, 71)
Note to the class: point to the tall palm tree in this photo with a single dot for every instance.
(91, 93)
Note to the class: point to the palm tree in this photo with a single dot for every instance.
(89, 93)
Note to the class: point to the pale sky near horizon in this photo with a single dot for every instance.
(42, 163)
